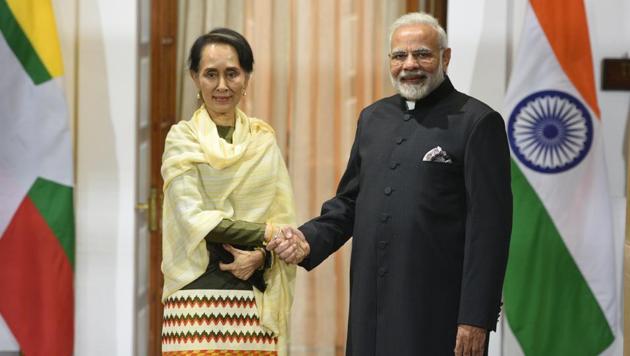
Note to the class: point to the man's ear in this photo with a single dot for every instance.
(446, 58)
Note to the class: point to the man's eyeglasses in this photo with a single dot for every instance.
(419, 56)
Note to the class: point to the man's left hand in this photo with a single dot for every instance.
(470, 340)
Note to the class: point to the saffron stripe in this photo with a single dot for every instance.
(548, 303)
(570, 42)
(55, 202)
(21, 46)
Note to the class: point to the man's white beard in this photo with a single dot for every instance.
(418, 91)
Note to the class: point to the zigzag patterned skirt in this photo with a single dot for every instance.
(214, 322)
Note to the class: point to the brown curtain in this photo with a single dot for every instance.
(318, 63)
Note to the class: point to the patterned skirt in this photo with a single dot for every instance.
(214, 322)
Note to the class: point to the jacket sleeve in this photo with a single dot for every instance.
(488, 223)
(328, 232)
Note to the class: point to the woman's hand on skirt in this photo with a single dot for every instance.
(245, 262)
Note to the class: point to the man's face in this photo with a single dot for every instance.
(417, 63)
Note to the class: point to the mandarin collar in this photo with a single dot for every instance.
(445, 88)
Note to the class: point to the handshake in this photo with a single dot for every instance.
(289, 244)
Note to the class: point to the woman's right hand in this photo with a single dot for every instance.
(272, 232)
(292, 247)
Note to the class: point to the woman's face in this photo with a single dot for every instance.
(220, 79)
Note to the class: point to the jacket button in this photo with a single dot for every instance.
(393, 165)
(407, 117)
(400, 140)
(384, 217)
(382, 271)
(382, 245)
(388, 190)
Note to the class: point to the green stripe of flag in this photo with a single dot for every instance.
(21, 46)
(548, 303)
(54, 201)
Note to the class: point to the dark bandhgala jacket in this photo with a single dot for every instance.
(430, 239)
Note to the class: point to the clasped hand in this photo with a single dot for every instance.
(289, 245)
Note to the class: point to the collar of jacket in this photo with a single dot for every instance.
(445, 88)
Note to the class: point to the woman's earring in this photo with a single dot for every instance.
(198, 95)
(244, 92)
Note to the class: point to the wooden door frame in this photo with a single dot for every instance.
(163, 115)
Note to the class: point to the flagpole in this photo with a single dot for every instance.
(626, 260)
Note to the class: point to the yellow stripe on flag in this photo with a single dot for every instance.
(37, 20)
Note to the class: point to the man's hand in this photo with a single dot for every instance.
(245, 262)
(470, 340)
(291, 247)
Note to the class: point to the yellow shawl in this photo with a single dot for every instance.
(206, 180)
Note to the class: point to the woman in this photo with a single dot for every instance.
(225, 185)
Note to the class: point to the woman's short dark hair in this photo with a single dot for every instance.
(225, 36)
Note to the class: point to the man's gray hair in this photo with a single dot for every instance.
(413, 18)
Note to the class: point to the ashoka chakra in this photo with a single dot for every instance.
(550, 131)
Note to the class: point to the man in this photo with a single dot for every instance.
(426, 195)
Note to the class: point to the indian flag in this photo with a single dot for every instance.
(36, 205)
(560, 295)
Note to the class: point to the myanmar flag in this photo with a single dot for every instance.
(36, 205)
(560, 295)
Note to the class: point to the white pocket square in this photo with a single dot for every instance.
(437, 154)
